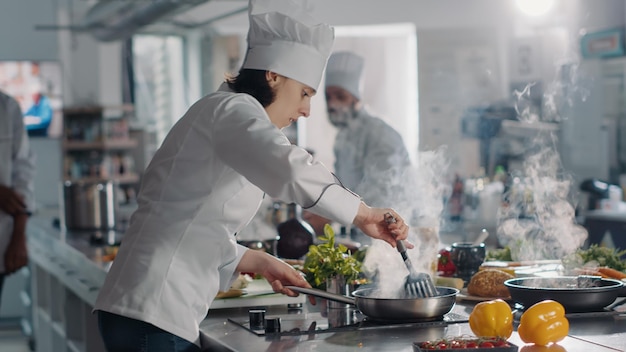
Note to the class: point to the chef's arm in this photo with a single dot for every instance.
(373, 222)
(339, 204)
(280, 274)
(246, 140)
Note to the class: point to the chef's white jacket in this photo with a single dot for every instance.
(203, 185)
(17, 164)
(371, 159)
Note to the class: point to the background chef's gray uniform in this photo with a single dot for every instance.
(371, 160)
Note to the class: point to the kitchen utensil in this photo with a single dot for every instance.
(371, 304)
(467, 258)
(416, 284)
(574, 295)
(90, 206)
(481, 237)
(338, 285)
(295, 236)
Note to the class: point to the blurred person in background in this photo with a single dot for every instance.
(17, 171)
(370, 156)
(39, 116)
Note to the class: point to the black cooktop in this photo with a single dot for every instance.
(340, 319)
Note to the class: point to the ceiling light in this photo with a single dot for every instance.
(534, 7)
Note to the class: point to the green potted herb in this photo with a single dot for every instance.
(328, 260)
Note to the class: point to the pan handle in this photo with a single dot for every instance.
(323, 294)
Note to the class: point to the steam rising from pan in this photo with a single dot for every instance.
(537, 220)
(419, 200)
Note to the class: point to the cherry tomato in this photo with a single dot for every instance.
(426, 345)
(457, 344)
(471, 344)
(486, 344)
(500, 343)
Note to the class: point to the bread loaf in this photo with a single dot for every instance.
(489, 283)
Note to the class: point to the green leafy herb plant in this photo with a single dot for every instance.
(600, 256)
(503, 254)
(329, 259)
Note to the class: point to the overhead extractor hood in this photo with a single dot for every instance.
(115, 20)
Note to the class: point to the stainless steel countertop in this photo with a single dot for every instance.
(606, 333)
(70, 255)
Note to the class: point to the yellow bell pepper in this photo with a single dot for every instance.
(492, 318)
(555, 347)
(543, 323)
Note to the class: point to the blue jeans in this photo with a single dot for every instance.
(120, 334)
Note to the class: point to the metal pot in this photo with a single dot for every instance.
(295, 235)
(392, 309)
(90, 206)
(565, 290)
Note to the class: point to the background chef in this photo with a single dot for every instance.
(370, 156)
(17, 172)
(207, 180)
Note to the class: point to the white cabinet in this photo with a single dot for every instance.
(63, 290)
(590, 112)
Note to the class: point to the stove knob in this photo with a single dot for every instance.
(257, 319)
(272, 325)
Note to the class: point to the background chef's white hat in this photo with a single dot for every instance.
(345, 70)
(284, 39)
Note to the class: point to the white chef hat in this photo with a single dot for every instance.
(284, 39)
(345, 70)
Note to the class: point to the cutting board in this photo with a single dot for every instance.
(257, 293)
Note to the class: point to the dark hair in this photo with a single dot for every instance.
(252, 82)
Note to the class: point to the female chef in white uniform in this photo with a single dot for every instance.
(207, 180)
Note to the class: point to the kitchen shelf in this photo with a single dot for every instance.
(111, 144)
(109, 110)
(97, 147)
(527, 129)
(122, 180)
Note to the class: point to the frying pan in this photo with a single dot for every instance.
(392, 309)
(567, 291)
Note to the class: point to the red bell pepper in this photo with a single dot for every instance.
(445, 266)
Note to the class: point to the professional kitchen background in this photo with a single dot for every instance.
(485, 80)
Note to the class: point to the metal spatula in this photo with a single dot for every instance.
(417, 285)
